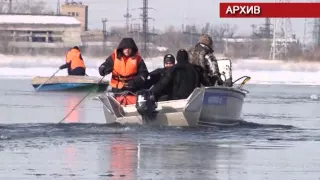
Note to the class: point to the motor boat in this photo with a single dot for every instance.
(206, 106)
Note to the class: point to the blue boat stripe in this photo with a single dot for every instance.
(241, 97)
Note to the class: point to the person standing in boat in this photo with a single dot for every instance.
(202, 54)
(181, 79)
(129, 71)
(74, 62)
(155, 76)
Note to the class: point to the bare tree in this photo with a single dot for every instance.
(206, 28)
(3, 7)
(26, 7)
(224, 31)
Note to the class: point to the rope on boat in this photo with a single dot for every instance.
(81, 101)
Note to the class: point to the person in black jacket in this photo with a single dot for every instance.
(155, 76)
(181, 79)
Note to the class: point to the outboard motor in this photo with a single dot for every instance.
(146, 105)
(228, 82)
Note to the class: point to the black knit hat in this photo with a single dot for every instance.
(169, 58)
(182, 57)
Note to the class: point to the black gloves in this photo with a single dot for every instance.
(102, 70)
(130, 85)
(106, 67)
(63, 66)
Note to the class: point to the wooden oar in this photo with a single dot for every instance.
(47, 80)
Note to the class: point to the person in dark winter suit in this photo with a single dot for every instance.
(202, 54)
(181, 79)
(155, 76)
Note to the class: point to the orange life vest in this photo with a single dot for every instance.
(123, 70)
(127, 99)
(74, 56)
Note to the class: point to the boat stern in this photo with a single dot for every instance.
(222, 106)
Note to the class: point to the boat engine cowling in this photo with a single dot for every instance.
(146, 104)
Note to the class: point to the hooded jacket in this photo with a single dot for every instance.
(202, 55)
(181, 79)
(141, 74)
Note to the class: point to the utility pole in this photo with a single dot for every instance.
(58, 7)
(145, 27)
(10, 6)
(127, 16)
(104, 32)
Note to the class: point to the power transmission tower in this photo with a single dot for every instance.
(316, 31)
(308, 40)
(282, 32)
(145, 28)
(104, 32)
(311, 33)
(127, 16)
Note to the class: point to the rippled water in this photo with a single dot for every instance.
(279, 141)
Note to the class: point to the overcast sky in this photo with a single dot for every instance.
(172, 12)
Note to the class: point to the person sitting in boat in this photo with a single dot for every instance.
(202, 54)
(128, 69)
(156, 75)
(74, 62)
(181, 79)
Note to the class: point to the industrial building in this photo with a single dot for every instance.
(77, 10)
(39, 31)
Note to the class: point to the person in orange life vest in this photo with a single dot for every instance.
(74, 62)
(129, 71)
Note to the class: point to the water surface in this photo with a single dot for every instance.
(279, 141)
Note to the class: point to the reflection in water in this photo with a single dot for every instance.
(123, 160)
(122, 157)
(70, 159)
(188, 161)
(133, 160)
(71, 102)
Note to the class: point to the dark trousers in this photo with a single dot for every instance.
(79, 71)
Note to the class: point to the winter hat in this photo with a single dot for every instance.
(182, 57)
(169, 58)
(206, 40)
